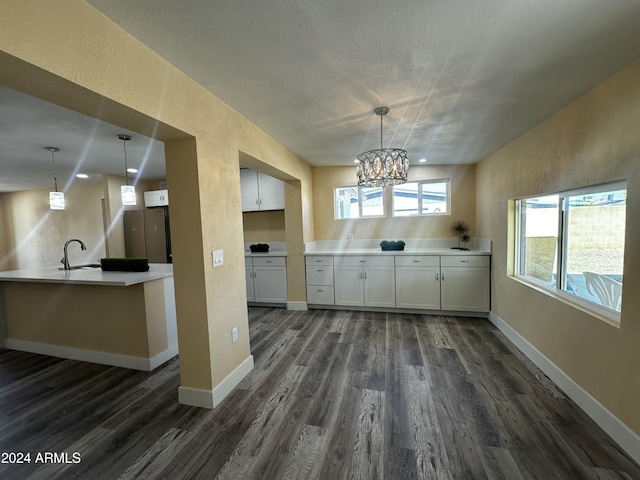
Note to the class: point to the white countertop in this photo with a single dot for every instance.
(270, 253)
(412, 251)
(414, 246)
(92, 276)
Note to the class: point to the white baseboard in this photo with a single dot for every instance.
(198, 397)
(103, 358)
(628, 440)
(296, 305)
(162, 357)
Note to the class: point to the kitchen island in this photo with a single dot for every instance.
(125, 319)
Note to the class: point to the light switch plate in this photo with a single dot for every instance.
(218, 258)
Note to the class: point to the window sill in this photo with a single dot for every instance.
(601, 313)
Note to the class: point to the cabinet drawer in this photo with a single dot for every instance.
(417, 261)
(465, 261)
(320, 295)
(318, 260)
(365, 260)
(269, 261)
(320, 275)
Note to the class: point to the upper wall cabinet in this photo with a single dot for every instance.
(156, 198)
(260, 192)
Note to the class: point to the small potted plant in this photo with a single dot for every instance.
(460, 229)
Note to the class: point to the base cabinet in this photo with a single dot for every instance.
(425, 282)
(266, 279)
(418, 282)
(365, 281)
(465, 287)
(320, 289)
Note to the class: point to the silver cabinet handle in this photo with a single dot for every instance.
(437, 277)
(365, 275)
(416, 261)
(319, 270)
(443, 277)
(363, 261)
(269, 261)
(464, 261)
(360, 275)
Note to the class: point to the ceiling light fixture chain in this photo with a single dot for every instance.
(384, 167)
(53, 151)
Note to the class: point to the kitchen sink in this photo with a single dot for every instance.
(85, 266)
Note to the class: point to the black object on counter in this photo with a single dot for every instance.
(259, 248)
(392, 245)
(124, 264)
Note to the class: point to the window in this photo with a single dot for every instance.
(430, 197)
(573, 243)
(357, 202)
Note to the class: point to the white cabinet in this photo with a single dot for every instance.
(418, 282)
(365, 281)
(260, 192)
(465, 283)
(156, 198)
(455, 283)
(266, 279)
(320, 289)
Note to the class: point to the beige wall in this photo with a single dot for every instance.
(36, 234)
(463, 193)
(264, 226)
(593, 140)
(33, 235)
(68, 53)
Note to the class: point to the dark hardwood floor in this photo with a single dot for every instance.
(333, 395)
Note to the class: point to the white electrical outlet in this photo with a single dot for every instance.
(234, 334)
(218, 258)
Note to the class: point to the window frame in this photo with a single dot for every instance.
(420, 183)
(559, 290)
(360, 211)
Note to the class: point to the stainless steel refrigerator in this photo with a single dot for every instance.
(147, 234)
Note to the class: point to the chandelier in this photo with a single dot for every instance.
(383, 167)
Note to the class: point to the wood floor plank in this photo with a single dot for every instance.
(334, 395)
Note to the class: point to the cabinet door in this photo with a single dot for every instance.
(153, 198)
(271, 192)
(155, 237)
(270, 284)
(249, 190)
(349, 285)
(418, 287)
(248, 270)
(164, 197)
(379, 286)
(134, 234)
(465, 289)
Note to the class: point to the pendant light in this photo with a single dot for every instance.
(383, 167)
(128, 192)
(56, 199)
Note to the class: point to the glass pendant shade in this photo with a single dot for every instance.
(128, 193)
(384, 167)
(56, 199)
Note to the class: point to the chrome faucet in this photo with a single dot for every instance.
(65, 259)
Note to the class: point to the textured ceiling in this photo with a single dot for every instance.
(461, 78)
(87, 145)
